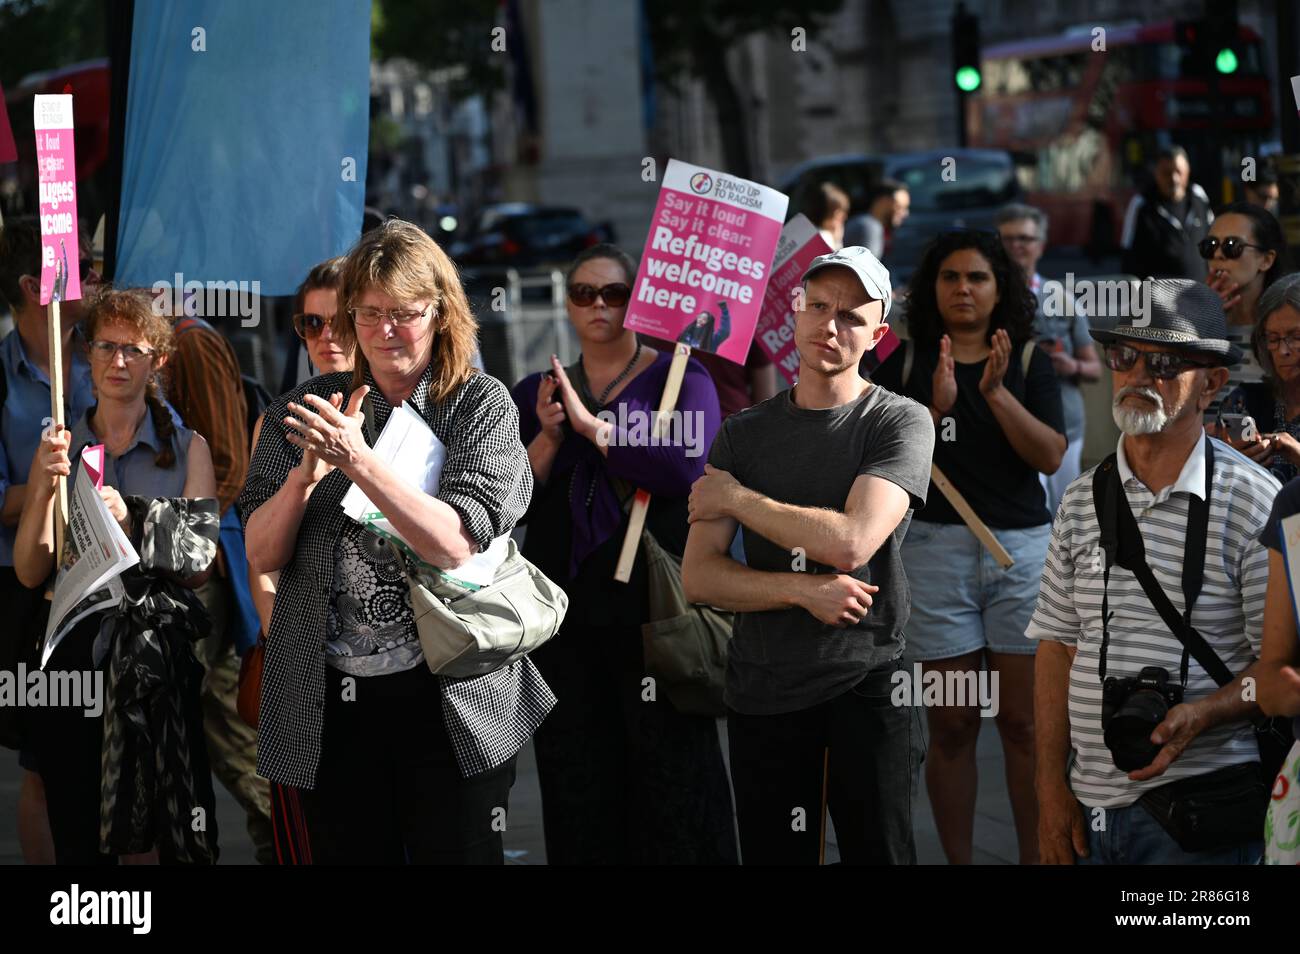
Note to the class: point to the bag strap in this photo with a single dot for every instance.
(368, 420)
(1026, 356)
(1122, 544)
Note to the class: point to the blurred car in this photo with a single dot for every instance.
(521, 235)
(981, 181)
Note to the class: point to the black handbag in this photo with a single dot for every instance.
(685, 644)
(1220, 809)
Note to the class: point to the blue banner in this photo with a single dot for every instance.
(247, 125)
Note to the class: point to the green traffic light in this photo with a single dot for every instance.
(968, 79)
(1226, 61)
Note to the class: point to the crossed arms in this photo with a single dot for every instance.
(843, 539)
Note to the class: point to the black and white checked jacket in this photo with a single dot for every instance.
(487, 480)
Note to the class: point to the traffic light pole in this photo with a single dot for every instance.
(964, 29)
(1288, 164)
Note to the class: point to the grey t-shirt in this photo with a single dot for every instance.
(786, 660)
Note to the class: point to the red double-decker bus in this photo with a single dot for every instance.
(1085, 123)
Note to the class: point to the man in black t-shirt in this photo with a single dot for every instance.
(823, 479)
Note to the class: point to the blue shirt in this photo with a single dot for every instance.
(26, 407)
(134, 472)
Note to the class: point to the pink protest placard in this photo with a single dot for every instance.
(8, 148)
(800, 244)
(92, 458)
(56, 166)
(707, 260)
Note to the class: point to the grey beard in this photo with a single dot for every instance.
(1138, 423)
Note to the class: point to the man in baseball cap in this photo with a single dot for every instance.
(823, 478)
(859, 260)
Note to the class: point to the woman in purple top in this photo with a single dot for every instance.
(625, 778)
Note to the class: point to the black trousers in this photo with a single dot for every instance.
(777, 768)
(389, 791)
(67, 747)
(625, 777)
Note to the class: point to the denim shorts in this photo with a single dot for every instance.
(962, 599)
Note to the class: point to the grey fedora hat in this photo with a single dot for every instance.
(1180, 312)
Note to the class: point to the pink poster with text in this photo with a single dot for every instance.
(707, 260)
(56, 165)
(800, 244)
(8, 148)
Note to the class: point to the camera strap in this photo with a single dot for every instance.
(1121, 541)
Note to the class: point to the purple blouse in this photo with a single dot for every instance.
(666, 470)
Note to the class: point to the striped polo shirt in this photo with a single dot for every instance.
(1229, 612)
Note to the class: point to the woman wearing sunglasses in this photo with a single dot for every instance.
(1245, 252)
(132, 779)
(1271, 436)
(314, 314)
(998, 426)
(625, 778)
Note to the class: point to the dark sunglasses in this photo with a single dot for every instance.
(1232, 247)
(309, 326)
(615, 295)
(1163, 365)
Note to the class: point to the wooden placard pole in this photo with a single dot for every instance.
(56, 410)
(826, 786)
(636, 519)
(977, 526)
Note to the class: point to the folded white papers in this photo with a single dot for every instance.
(415, 453)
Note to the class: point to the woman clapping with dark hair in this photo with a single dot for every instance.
(996, 404)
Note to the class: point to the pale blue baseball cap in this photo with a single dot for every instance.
(873, 275)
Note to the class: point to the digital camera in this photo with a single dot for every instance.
(1131, 708)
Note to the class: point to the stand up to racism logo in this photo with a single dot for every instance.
(701, 183)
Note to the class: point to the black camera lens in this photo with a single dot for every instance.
(1128, 733)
